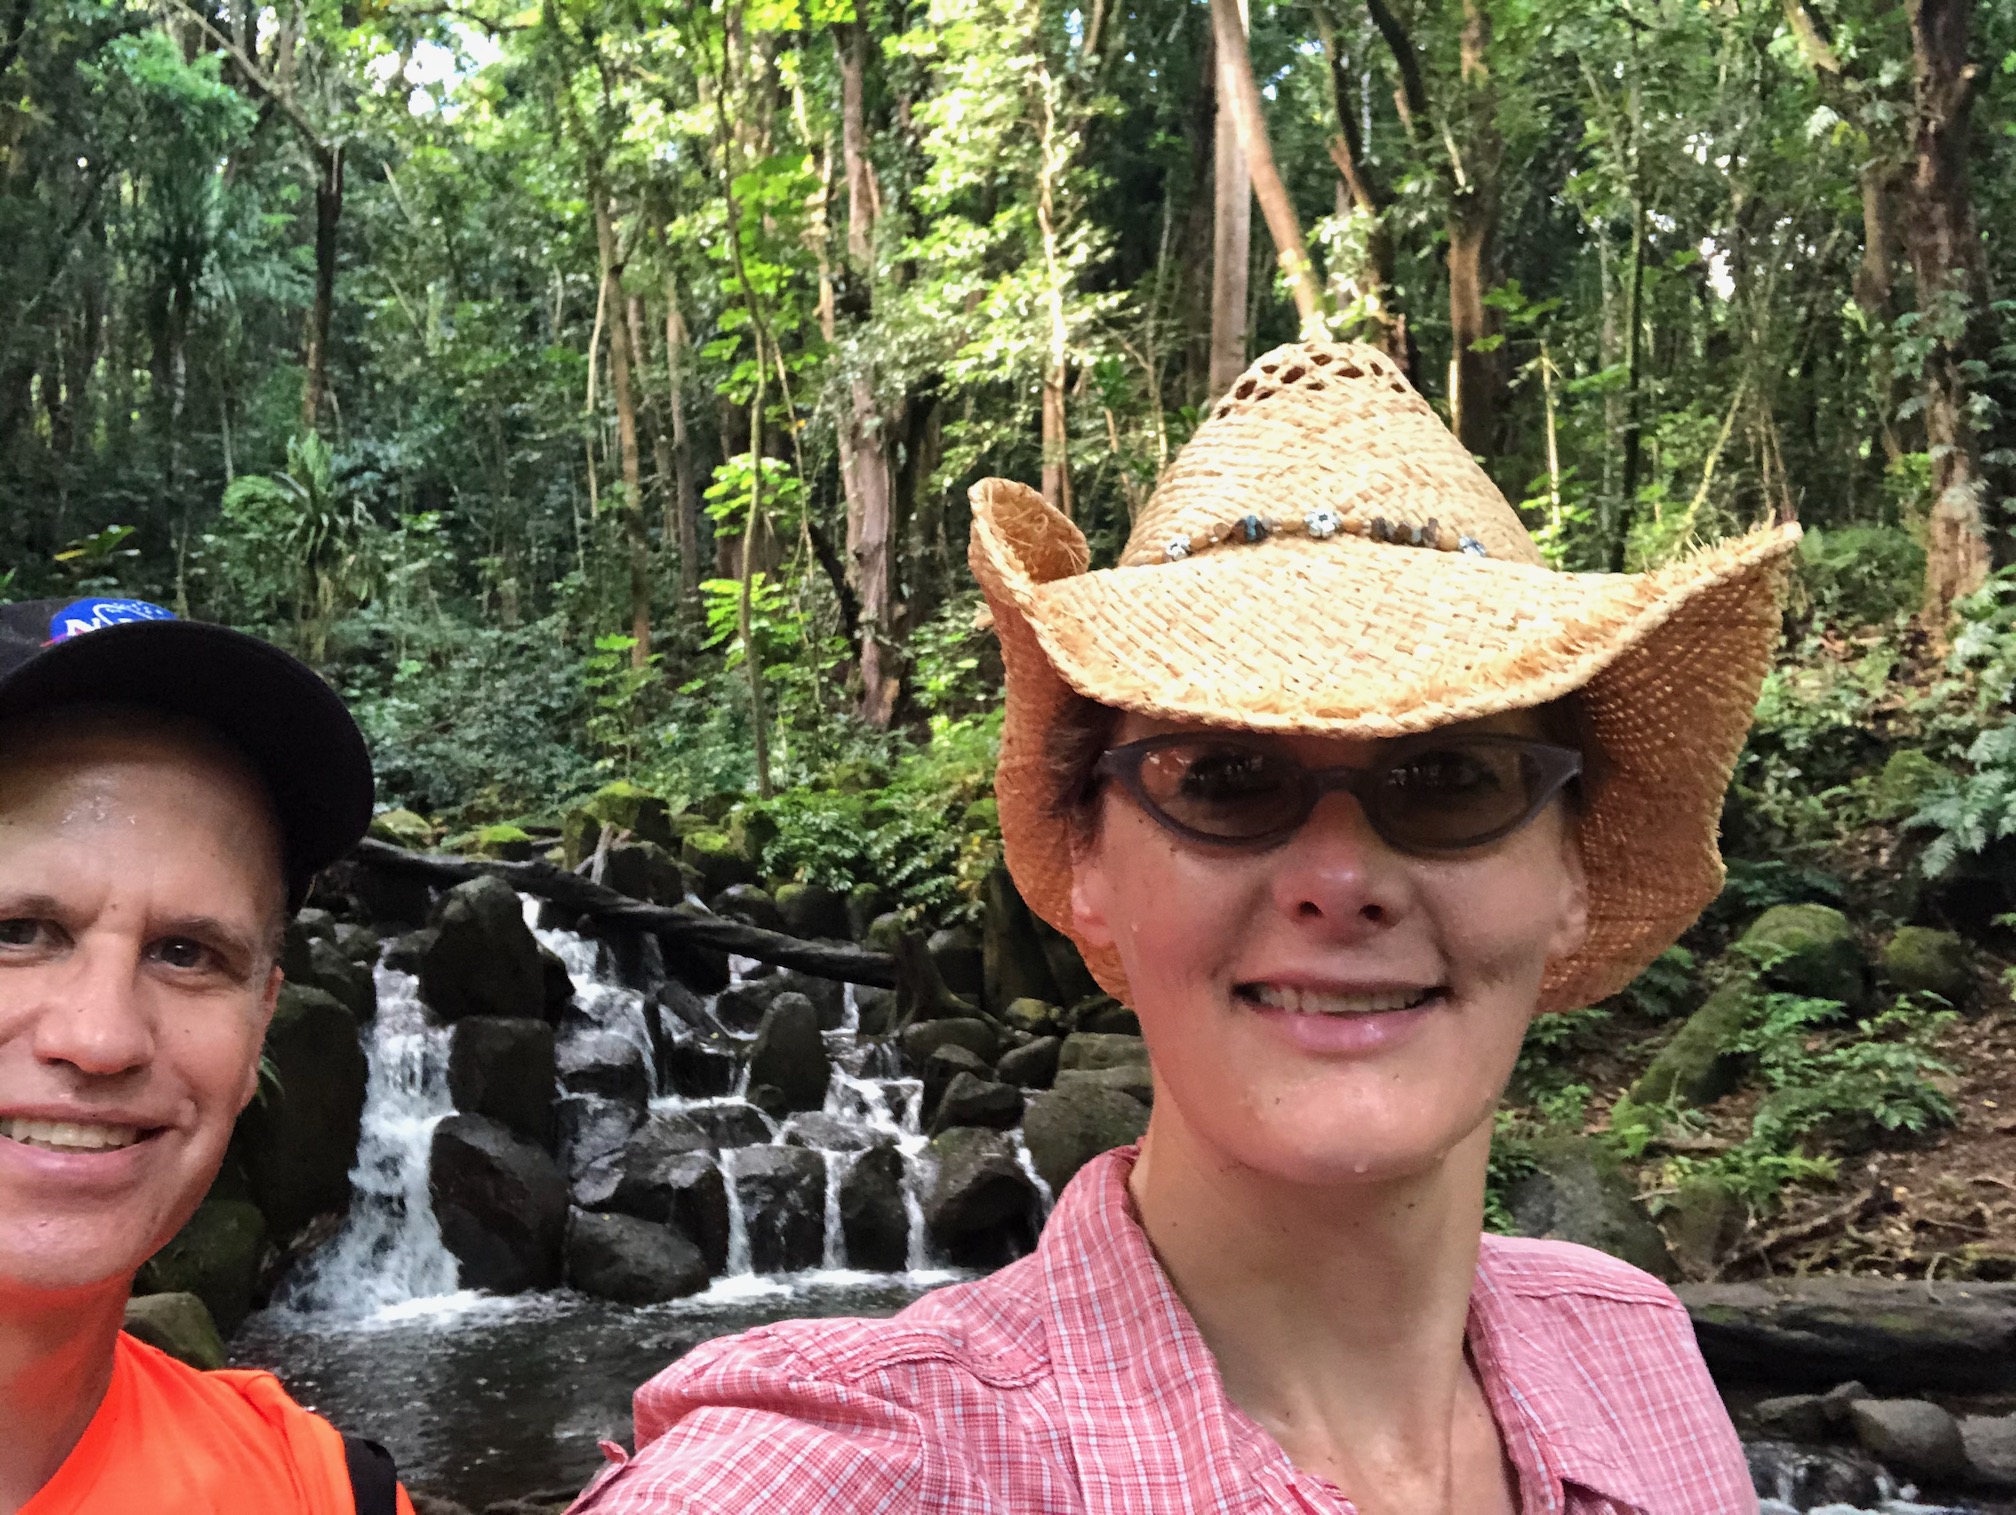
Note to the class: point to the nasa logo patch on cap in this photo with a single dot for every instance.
(95, 614)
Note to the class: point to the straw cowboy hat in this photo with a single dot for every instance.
(1323, 557)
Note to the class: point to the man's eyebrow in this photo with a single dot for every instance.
(208, 928)
(20, 906)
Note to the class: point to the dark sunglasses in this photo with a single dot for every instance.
(1431, 794)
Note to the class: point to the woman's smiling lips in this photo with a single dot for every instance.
(1337, 1019)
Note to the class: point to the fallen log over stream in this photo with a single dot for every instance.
(854, 965)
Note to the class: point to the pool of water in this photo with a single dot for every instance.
(482, 1399)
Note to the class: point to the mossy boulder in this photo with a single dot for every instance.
(1696, 1066)
(1702, 1221)
(505, 842)
(866, 903)
(751, 831)
(178, 1324)
(1810, 949)
(644, 871)
(216, 1256)
(1577, 1191)
(298, 1140)
(717, 859)
(403, 828)
(1921, 959)
(1908, 777)
(1035, 1016)
(628, 808)
(812, 910)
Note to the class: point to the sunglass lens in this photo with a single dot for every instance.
(1222, 789)
(1457, 795)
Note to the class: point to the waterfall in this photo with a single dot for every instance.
(738, 1222)
(389, 1251)
(598, 998)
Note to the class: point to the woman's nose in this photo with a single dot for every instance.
(1336, 874)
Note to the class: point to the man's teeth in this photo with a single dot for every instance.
(1315, 1002)
(69, 1136)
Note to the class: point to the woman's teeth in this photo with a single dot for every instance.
(69, 1136)
(1318, 1002)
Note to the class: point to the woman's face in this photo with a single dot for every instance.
(1266, 981)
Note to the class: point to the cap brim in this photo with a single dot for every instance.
(1363, 639)
(290, 725)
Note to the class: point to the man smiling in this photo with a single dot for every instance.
(167, 791)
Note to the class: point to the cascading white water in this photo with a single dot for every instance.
(389, 1251)
(738, 1222)
(600, 1000)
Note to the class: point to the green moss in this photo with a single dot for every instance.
(403, 828)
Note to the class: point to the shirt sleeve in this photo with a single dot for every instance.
(748, 1425)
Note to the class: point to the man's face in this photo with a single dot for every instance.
(139, 896)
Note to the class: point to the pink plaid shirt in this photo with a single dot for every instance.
(1074, 1382)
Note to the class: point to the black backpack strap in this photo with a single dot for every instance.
(374, 1480)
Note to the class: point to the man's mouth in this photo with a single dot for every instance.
(70, 1136)
(1331, 1002)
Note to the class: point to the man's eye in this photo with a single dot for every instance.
(184, 952)
(21, 932)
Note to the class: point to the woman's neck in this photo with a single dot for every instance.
(1336, 1315)
(55, 1365)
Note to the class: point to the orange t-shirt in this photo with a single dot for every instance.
(168, 1437)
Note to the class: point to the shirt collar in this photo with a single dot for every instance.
(1125, 1336)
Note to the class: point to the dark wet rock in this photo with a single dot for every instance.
(1066, 1128)
(749, 903)
(741, 1006)
(601, 1062)
(1812, 950)
(632, 1261)
(298, 1139)
(1793, 1417)
(926, 1037)
(866, 903)
(831, 1133)
(593, 1131)
(942, 1067)
(1702, 1220)
(1578, 1192)
(1913, 1437)
(970, 1100)
(731, 1125)
(1989, 1442)
(981, 1209)
(216, 1256)
(387, 899)
(644, 871)
(504, 1069)
(789, 1057)
(1091, 1051)
(406, 953)
(704, 970)
(874, 1222)
(875, 1009)
(1131, 1079)
(556, 987)
(1108, 1017)
(685, 1190)
(484, 959)
(1031, 1066)
(885, 933)
(501, 1204)
(359, 943)
(956, 953)
(324, 965)
(1921, 959)
(783, 1194)
(661, 1136)
(1809, 1478)
(178, 1324)
(1899, 1337)
(698, 1070)
(812, 911)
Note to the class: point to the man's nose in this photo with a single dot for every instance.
(95, 1016)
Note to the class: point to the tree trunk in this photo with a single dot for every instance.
(865, 474)
(1952, 275)
(1231, 236)
(1368, 197)
(1056, 430)
(1476, 377)
(328, 216)
(626, 436)
(683, 509)
(1235, 74)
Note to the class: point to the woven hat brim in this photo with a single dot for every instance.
(1364, 639)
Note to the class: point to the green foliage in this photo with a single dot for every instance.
(619, 698)
(1969, 813)
(297, 536)
(1802, 776)
(1665, 986)
(1861, 575)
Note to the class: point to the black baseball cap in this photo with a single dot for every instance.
(288, 724)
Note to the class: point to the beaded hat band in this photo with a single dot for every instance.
(1263, 587)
